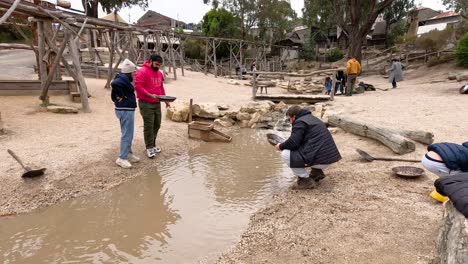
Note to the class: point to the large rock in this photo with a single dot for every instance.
(280, 107)
(260, 106)
(452, 76)
(206, 110)
(243, 116)
(231, 112)
(225, 121)
(462, 76)
(270, 120)
(255, 118)
(178, 112)
(62, 109)
(451, 244)
(244, 124)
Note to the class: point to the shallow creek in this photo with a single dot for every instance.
(189, 209)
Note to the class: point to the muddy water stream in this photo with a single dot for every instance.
(189, 209)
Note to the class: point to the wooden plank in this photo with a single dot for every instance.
(41, 46)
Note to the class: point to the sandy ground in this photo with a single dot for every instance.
(360, 213)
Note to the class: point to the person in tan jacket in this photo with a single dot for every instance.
(353, 69)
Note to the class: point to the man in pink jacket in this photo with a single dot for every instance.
(149, 84)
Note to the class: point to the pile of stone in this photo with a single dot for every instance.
(259, 114)
(305, 86)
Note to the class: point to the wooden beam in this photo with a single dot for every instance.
(41, 44)
(110, 46)
(72, 43)
(16, 46)
(56, 62)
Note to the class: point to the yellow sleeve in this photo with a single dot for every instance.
(359, 67)
(348, 67)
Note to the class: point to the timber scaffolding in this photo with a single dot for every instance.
(54, 31)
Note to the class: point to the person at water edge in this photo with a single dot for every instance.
(340, 81)
(123, 96)
(353, 69)
(149, 84)
(310, 145)
(445, 159)
(327, 85)
(396, 73)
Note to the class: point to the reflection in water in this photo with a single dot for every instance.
(194, 205)
(114, 227)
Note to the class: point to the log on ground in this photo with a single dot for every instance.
(396, 142)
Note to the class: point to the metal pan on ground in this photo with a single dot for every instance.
(274, 139)
(408, 171)
(165, 98)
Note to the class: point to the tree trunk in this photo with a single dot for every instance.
(396, 142)
(91, 9)
(355, 43)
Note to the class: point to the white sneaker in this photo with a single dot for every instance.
(157, 149)
(123, 163)
(132, 158)
(150, 153)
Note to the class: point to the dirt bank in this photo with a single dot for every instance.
(361, 213)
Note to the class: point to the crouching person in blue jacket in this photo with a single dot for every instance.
(445, 159)
(123, 96)
(310, 145)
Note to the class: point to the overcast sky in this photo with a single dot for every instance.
(193, 10)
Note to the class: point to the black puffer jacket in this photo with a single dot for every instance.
(455, 156)
(456, 188)
(310, 142)
(123, 93)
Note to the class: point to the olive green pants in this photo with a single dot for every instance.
(151, 113)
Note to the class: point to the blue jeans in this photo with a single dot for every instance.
(340, 86)
(127, 123)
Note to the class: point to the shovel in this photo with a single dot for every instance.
(369, 158)
(29, 173)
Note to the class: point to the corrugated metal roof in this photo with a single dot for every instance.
(445, 14)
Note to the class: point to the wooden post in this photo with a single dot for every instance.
(190, 111)
(110, 45)
(145, 47)
(206, 57)
(41, 46)
(230, 60)
(214, 58)
(46, 84)
(254, 85)
(171, 55)
(241, 53)
(73, 49)
(332, 94)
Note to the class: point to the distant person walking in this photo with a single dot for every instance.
(353, 69)
(328, 85)
(396, 73)
(253, 67)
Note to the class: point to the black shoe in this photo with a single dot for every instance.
(316, 174)
(305, 183)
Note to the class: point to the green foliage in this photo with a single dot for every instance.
(194, 49)
(220, 23)
(308, 51)
(90, 6)
(434, 40)
(333, 55)
(397, 11)
(397, 33)
(462, 51)
(275, 16)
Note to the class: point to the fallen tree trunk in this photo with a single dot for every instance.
(453, 237)
(396, 142)
(417, 135)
